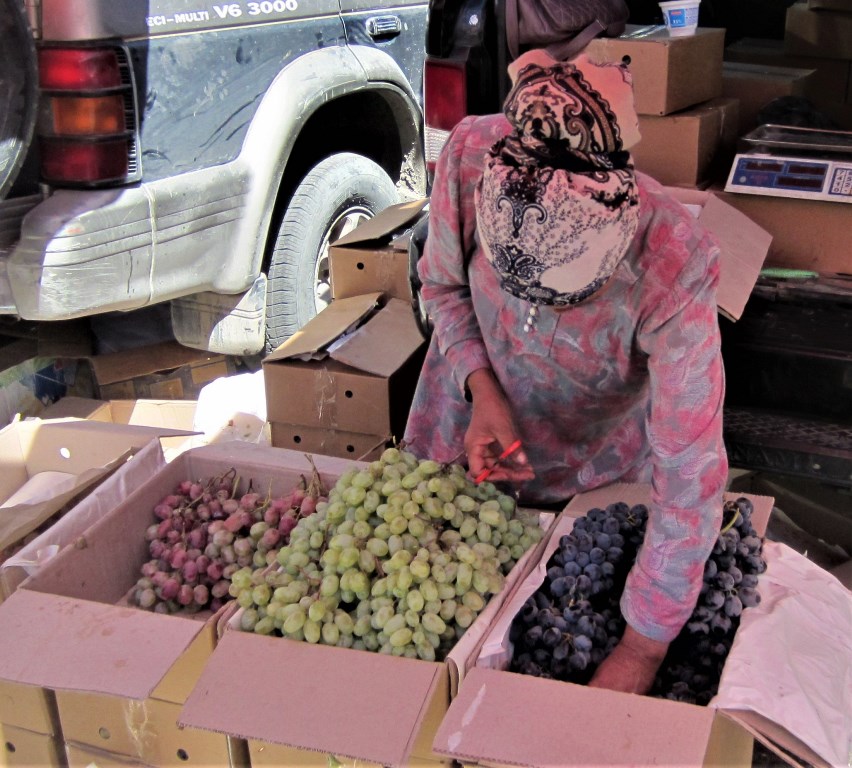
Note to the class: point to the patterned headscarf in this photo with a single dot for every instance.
(557, 206)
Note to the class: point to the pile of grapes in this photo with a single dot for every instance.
(207, 531)
(569, 626)
(400, 559)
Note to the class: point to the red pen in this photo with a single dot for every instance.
(505, 455)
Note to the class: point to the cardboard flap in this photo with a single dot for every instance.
(383, 344)
(256, 687)
(537, 725)
(744, 247)
(777, 739)
(336, 319)
(67, 644)
(141, 361)
(383, 224)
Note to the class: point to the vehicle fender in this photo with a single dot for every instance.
(297, 92)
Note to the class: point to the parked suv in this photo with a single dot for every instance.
(199, 153)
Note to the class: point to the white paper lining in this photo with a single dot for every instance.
(791, 661)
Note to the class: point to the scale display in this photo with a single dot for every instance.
(780, 176)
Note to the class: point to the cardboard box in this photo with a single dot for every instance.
(31, 557)
(164, 371)
(145, 730)
(546, 722)
(376, 708)
(48, 465)
(171, 414)
(809, 32)
(756, 85)
(19, 747)
(830, 78)
(81, 756)
(86, 644)
(352, 368)
(689, 147)
(743, 243)
(28, 708)
(374, 256)
(330, 442)
(669, 73)
(806, 234)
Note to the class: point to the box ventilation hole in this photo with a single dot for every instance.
(10, 747)
(104, 733)
(182, 755)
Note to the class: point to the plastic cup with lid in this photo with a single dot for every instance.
(681, 16)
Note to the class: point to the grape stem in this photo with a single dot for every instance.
(731, 524)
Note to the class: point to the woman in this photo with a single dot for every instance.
(573, 304)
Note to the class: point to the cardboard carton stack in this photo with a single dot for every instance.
(807, 234)
(688, 126)
(343, 384)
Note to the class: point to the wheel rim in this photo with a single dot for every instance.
(342, 225)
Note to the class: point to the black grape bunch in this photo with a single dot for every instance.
(696, 657)
(567, 628)
(573, 621)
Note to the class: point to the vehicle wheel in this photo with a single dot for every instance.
(333, 198)
(18, 90)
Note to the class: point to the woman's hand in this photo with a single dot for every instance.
(632, 665)
(492, 430)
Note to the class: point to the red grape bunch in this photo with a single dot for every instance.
(207, 531)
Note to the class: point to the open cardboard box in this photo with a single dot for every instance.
(120, 674)
(374, 255)
(355, 705)
(743, 243)
(502, 718)
(351, 368)
(173, 414)
(47, 465)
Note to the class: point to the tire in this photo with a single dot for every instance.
(335, 196)
(18, 91)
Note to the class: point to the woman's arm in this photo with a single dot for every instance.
(684, 426)
(447, 252)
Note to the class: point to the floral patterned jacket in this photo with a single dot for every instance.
(625, 386)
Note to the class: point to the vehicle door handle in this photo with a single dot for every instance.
(383, 26)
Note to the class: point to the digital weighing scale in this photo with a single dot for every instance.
(787, 161)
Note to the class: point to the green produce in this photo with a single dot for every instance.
(400, 559)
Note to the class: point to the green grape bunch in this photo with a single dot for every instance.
(400, 559)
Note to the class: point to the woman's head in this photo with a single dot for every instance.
(573, 99)
(557, 206)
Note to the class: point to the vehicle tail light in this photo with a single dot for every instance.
(445, 103)
(87, 129)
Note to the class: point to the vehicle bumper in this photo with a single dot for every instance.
(83, 252)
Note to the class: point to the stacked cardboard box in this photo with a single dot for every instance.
(343, 384)
(113, 678)
(688, 126)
